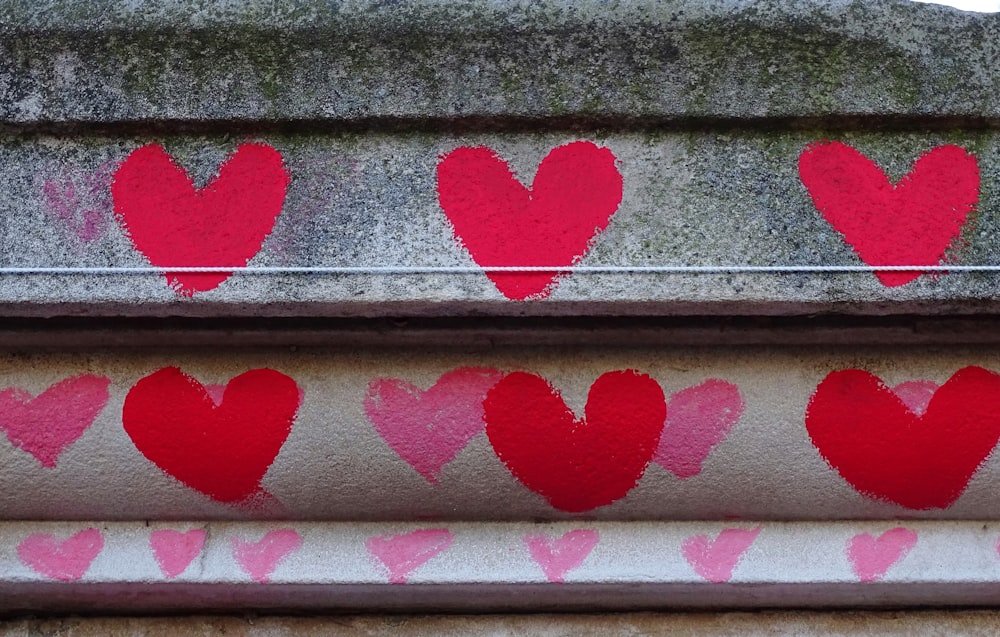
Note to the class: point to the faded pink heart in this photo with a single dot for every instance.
(402, 554)
(259, 559)
(871, 557)
(174, 551)
(558, 556)
(46, 425)
(916, 394)
(698, 419)
(66, 561)
(428, 428)
(716, 560)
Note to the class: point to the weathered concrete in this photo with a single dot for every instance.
(66, 61)
(336, 464)
(66, 567)
(761, 624)
(372, 200)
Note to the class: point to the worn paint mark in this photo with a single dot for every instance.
(889, 452)
(911, 222)
(66, 561)
(715, 560)
(45, 426)
(428, 428)
(558, 556)
(872, 557)
(404, 553)
(174, 551)
(576, 191)
(698, 419)
(576, 464)
(260, 559)
(223, 224)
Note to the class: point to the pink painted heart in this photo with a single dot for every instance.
(871, 557)
(404, 553)
(716, 560)
(576, 191)
(698, 419)
(223, 224)
(259, 559)
(46, 425)
(428, 428)
(66, 561)
(174, 551)
(911, 222)
(558, 556)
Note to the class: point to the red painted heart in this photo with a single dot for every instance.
(223, 224)
(221, 450)
(910, 223)
(575, 192)
(576, 464)
(887, 451)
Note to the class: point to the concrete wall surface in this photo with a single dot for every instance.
(480, 306)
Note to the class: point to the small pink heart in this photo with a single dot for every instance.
(44, 426)
(558, 556)
(428, 428)
(402, 554)
(174, 550)
(698, 419)
(66, 561)
(716, 560)
(871, 557)
(916, 394)
(259, 559)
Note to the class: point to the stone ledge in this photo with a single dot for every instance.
(912, 623)
(581, 566)
(81, 62)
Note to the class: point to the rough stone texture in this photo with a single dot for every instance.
(335, 465)
(367, 200)
(67, 61)
(770, 624)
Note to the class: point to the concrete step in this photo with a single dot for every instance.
(435, 567)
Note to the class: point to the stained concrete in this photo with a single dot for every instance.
(121, 62)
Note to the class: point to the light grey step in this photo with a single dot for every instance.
(141, 567)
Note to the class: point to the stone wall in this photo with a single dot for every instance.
(484, 306)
